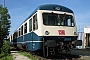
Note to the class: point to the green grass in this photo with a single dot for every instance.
(28, 55)
(3, 57)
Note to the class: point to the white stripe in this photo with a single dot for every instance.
(34, 41)
(29, 42)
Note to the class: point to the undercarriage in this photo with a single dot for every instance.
(52, 47)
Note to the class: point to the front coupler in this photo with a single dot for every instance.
(77, 42)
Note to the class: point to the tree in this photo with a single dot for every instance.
(4, 24)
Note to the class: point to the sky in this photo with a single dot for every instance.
(19, 10)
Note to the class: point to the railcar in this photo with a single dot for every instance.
(50, 28)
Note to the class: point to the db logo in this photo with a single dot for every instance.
(61, 32)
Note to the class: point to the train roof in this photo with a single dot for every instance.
(52, 7)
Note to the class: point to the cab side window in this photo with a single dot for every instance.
(30, 25)
(35, 22)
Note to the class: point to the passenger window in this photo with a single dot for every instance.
(25, 28)
(35, 22)
(16, 34)
(11, 37)
(19, 31)
(30, 25)
(22, 30)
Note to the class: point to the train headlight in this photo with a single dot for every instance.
(75, 33)
(47, 32)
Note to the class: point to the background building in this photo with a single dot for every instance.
(87, 37)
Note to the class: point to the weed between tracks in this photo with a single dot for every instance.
(28, 55)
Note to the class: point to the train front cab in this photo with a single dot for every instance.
(59, 32)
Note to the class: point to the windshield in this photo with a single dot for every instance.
(53, 19)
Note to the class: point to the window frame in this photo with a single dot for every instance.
(25, 28)
(47, 14)
(22, 30)
(35, 22)
(30, 25)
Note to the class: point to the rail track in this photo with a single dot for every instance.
(61, 56)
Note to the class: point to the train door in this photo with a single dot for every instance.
(31, 33)
(34, 28)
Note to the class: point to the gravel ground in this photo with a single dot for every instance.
(85, 55)
(17, 56)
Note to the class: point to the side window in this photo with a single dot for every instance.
(35, 22)
(22, 30)
(25, 28)
(30, 25)
(16, 33)
(19, 31)
(69, 22)
(72, 22)
(13, 35)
